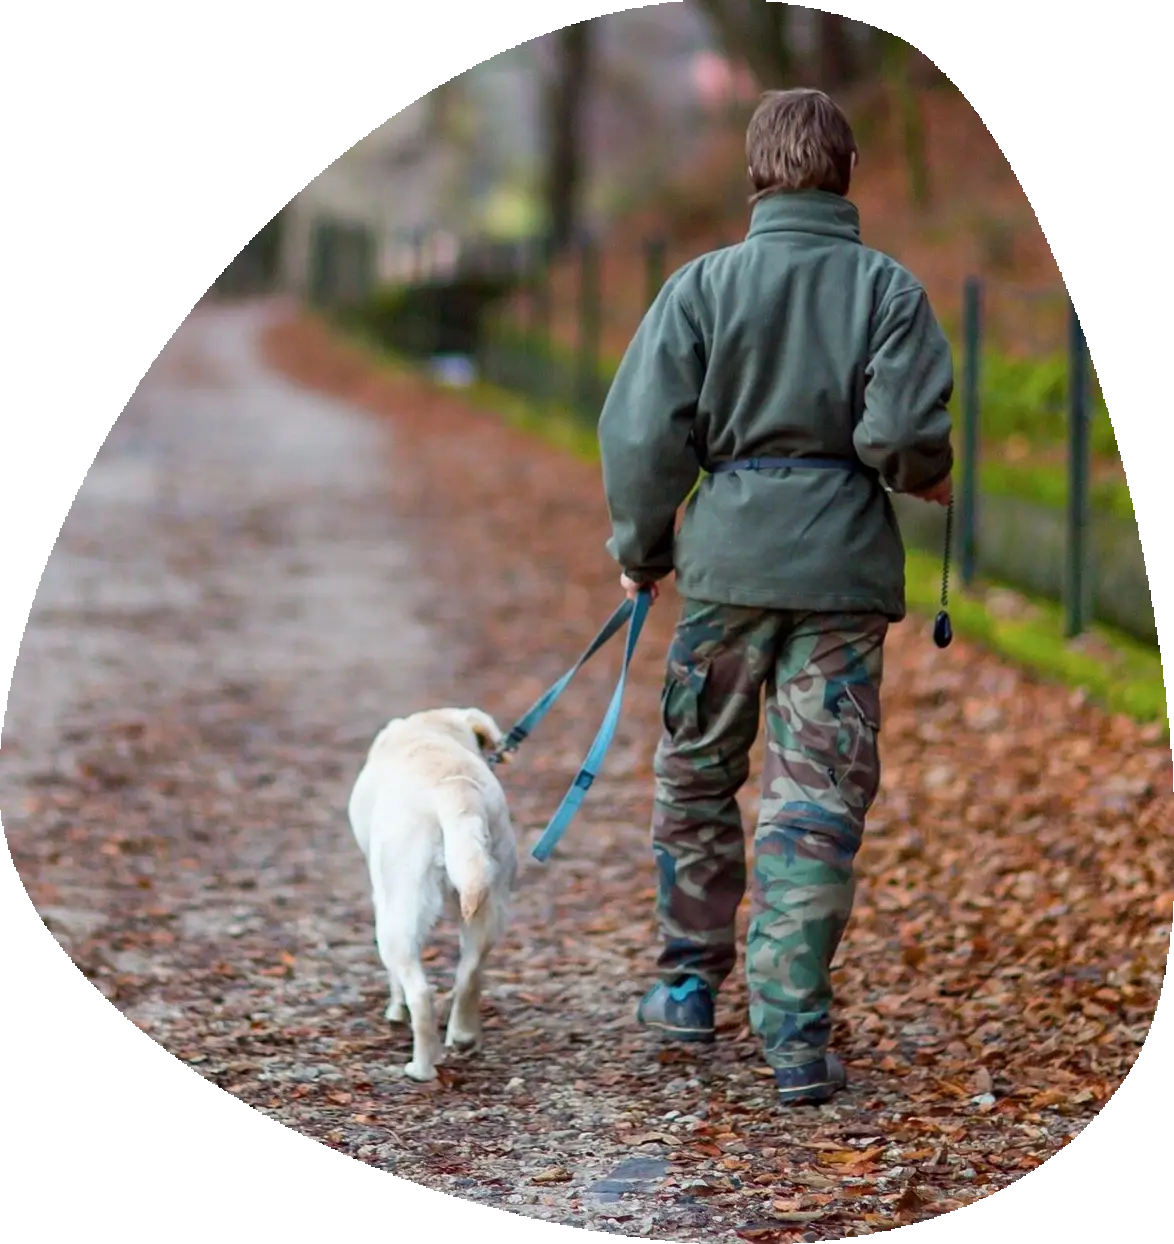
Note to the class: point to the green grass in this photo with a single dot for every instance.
(1116, 671)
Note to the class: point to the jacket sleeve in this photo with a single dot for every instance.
(646, 436)
(904, 432)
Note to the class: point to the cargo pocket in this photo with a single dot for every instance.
(858, 746)
(682, 701)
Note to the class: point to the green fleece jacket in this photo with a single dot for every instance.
(797, 342)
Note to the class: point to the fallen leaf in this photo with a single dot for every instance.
(812, 1179)
(914, 955)
(911, 1199)
(706, 1150)
(552, 1175)
(706, 1187)
(854, 1157)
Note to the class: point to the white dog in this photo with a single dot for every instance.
(432, 821)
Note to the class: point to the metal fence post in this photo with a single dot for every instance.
(971, 417)
(333, 258)
(365, 262)
(541, 302)
(319, 263)
(590, 314)
(1077, 581)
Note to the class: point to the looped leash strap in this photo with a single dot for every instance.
(545, 702)
(591, 766)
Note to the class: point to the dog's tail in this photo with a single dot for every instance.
(467, 857)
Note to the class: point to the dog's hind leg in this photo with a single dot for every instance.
(477, 939)
(410, 988)
(426, 1051)
(397, 1011)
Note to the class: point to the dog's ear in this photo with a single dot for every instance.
(488, 736)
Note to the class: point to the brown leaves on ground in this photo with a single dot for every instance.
(997, 980)
(1014, 905)
(1012, 921)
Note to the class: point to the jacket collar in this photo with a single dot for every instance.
(806, 211)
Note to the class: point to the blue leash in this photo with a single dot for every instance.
(591, 766)
(634, 614)
(529, 720)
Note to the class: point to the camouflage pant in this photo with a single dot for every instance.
(821, 673)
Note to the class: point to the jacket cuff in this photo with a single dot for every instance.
(933, 478)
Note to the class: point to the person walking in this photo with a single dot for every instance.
(779, 388)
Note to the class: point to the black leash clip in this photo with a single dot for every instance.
(943, 632)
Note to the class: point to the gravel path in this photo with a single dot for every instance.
(250, 583)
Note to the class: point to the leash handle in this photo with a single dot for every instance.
(530, 719)
(589, 771)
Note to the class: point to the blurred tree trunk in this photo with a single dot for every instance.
(566, 112)
(835, 62)
(898, 65)
(755, 34)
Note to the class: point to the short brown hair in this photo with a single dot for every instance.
(799, 140)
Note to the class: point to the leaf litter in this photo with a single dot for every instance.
(996, 983)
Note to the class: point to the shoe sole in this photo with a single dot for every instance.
(692, 1036)
(810, 1095)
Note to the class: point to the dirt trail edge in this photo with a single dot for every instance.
(257, 573)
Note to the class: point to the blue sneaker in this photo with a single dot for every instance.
(811, 1084)
(680, 1012)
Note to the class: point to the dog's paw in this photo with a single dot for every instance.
(419, 1071)
(396, 1013)
(462, 1042)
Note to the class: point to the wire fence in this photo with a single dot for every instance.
(1042, 501)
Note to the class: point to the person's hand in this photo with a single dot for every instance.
(940, 494)
(632, 588)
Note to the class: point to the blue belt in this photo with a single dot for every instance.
(772, 464)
